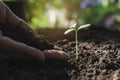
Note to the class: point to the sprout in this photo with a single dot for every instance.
(76, 28)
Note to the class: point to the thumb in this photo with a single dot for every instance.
(56, 54)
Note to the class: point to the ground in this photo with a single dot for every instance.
(99, 59)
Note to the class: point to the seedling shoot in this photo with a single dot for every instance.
(76, 28)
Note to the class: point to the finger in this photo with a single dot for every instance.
(57, 48)
(64, 55)
(55, 54)
(8, 17)
(1, 33)
(21, 50)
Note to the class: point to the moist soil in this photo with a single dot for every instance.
(99, 59)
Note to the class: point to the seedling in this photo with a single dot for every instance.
(76, 28)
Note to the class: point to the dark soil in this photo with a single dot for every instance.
(99, 59)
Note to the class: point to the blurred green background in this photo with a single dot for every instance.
(62, 13)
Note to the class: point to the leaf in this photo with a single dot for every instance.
(73, 26)
(84, 26)
(69, 30)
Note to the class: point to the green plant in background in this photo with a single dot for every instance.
(76, 28)
(36, 11)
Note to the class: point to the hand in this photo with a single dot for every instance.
(56, 53)
(19, 49)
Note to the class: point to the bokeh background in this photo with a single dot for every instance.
(62, 13)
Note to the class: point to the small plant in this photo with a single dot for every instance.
(76, 28)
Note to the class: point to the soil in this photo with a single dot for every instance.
(99, 59)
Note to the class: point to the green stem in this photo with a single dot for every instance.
(76, 37)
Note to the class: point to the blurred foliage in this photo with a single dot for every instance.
(84, 11)
(98, 13)
(35, 13)
(38, 13)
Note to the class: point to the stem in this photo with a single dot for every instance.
(76, 37)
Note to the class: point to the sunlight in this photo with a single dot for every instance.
(56, 17)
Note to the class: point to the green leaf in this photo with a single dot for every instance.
(84, 26)
(68, 31)
(73, 26)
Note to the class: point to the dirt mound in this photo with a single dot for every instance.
(99, 59)
(96, 61)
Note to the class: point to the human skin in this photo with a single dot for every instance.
(24, 50)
